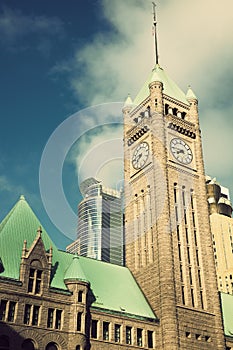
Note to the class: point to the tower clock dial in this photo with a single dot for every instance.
(181, 151)
(140, 155)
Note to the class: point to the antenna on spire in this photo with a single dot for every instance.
(155, 34)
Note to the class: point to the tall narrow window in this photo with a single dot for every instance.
(27, 313)
(38, 281)
(182, 295)
(11, 311)
(190, 275)
(192, 297)
(178, 232)
(181, 273)
(187, 235)
(35, 315)
(117, 333)
(34, 282)
(197, 257)
(139, 337)
(58, 319)
(199, 277)
(191, 199)
(188, 255)
(128, 335)
(94, 329)
(202, 301)
(50, 318)
(80, 296)
(179, 251)
(183, 196)
(105, 330)
(175, 193)
(185, 217)
(150, 339)
(79, 321)
(31, 280)
(3, 310)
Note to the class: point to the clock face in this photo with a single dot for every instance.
(181, 151)
(140, 155)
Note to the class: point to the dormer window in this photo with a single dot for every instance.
(35, 277)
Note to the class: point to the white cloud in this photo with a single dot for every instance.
(195, 48)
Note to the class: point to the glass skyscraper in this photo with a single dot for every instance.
(100, 223)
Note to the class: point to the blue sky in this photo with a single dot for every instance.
(58, 58)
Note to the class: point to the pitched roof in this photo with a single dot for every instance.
(170, 88)
(108, 282)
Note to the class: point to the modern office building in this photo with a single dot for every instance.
(100, 223)
(221, 222)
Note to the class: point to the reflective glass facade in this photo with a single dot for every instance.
(100, 223)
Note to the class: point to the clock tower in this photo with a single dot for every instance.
(168, 241)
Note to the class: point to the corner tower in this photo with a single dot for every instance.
(168, 240)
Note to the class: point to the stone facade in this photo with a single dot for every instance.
(169, 249)
(54, 319)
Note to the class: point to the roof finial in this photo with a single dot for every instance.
(155, 34)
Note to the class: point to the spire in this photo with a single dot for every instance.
(128, 101)
(155, 34)
(190, 94)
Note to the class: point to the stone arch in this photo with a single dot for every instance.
(51, 346)
(56, 338)
(28, 344)
(31, 334)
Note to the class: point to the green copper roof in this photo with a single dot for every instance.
(128, 101)
(75, 271)
(190, 94)
(113, 286)
(169, 87)
(227, 311)
(19, 225)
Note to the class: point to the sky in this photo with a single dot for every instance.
(67, 66)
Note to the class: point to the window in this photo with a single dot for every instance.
(139, 337)
(4, 342)
(3, 310)
(54, 318)
(94, 329)
(35, 315)
(27, 313)
(105, 330)
(58, 319)
(192, 297)
(28, 344)
(117, 333)
(51, 346)
(182, 295)
(31, 315)
(11, 311)
(128, 335)
(79, 321)
(80, 296)
(34, 282)
(150, 339)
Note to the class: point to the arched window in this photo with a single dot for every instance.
(28, 344)
(51, 346)
(4, 342)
